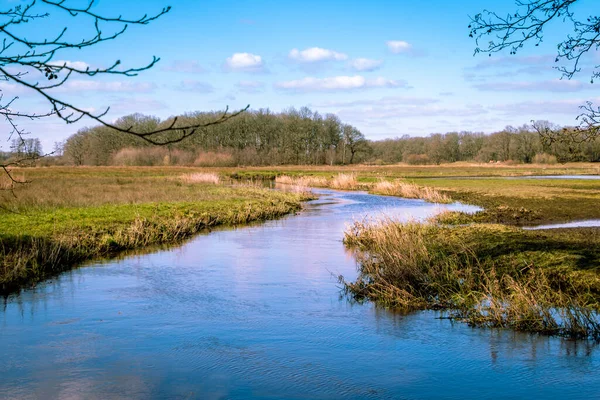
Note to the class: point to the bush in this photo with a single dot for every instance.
(416, 159)
(544, 158)
(151, 156)
(214, 159)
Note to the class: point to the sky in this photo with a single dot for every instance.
(390, 68)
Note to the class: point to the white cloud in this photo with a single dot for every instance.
(246, 62)
(383, 101)
(365, 64)
(377, 112)
(250, 86)
(338, 83)
(79, 65)
(398, 46)
(316, 54)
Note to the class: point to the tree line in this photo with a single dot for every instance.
(540, 142)
(261, 137)
(304, 137)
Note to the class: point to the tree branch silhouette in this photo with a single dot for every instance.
(526, 25)
(28, 63)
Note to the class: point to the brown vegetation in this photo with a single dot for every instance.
(485, 275)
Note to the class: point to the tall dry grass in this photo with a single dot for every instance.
(151, 156)
(344, 182)
(423, 266)
(201, 177)
(214, 159)
(303, 181)
(410, 191)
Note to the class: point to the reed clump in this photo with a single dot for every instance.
(344, 181)
(478, 274)
(303, 181)
(201, 177)
(410, 191)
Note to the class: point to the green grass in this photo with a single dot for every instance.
(68, 215)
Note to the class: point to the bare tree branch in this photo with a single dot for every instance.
(30, 63)
(514, 30)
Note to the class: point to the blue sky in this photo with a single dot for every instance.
(388, 67)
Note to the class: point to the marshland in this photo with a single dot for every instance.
(278, 283)
(316, 200)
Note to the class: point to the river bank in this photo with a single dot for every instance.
(64, 216)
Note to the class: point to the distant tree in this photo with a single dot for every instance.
(29, 148)
(495, 33)
(354, 142)
(34, 64)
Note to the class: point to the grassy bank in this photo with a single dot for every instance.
(505, 200)
(68, 215)
(486, 275)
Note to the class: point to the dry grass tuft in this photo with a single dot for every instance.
(302, 181)
(201, 177)
(344, 182)
(5, 182)
(410, 191)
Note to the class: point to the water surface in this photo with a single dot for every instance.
(256, 313)
(583, 177)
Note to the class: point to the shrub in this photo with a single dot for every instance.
(416, 159)
(544, 158)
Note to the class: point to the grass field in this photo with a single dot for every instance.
(67, 215)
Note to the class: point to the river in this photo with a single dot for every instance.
(256, 312)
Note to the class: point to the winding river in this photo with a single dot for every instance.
(256, 312)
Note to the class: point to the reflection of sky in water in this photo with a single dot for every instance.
(584, 177)
(590, 223)
(255, 312)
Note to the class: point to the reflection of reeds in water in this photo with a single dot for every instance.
(410, 191)
(423, 266)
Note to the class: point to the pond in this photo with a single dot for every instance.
(256, 312)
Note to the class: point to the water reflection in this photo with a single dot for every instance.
(255, 312)
(589, 223)
(584, 177)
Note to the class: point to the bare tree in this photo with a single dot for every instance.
(30, 64)
(526, 25)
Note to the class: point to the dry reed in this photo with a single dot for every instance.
(302, 181)
(201, 177)
(410, 191)
(344, 182)
(423, 266)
